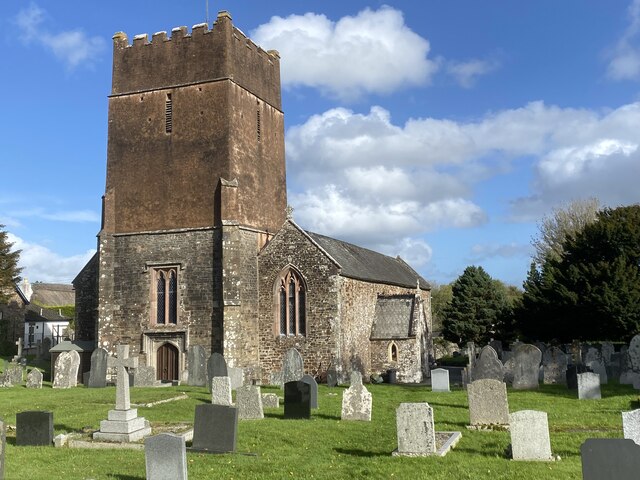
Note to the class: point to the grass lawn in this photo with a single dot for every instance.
(323, 447)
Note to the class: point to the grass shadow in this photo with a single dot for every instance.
(448, 405)
(125, 477)
(361, 453)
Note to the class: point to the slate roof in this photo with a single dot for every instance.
(34, 313)
(53, 294)
(364, 264)
(392, 317)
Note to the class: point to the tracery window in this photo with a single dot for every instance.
(291, 298)
(165, 294)
(393, 352)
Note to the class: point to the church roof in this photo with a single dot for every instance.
(392, 317)
(52, 294)
(364, 264)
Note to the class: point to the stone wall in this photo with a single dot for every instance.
(86, 291)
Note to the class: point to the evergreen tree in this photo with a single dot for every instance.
(9, 271)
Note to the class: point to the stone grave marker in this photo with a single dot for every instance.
(599, 367)
(236, 377)
(18, 355)
(3, 446)
(308, 379)
(215, 428)
(530, 435)
(588, 386)
(34, 379)
(606, 350)
(13, 373)
(356, 400)
(440, 380)
(488, 365)
(627, 375)
(497, 346)
(509, 366)
(471, 354)
(98, 372)
(554, 363)
(66, 370)
(34, 428)
(216, 366)
(416, 433)
(197, 365)
(526, 367)
(46, 346)
(610, 459)
(332, 377)
(270, 400)
(488, 403)
(292, 366)
(221, 391)
(634, 353)
(297, 400)
(631, 425)
(165, 457)
(144, 376)
(249, 402)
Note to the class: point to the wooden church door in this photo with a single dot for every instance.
(167, 362)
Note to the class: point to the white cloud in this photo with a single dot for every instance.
(75, 216)
(480, 252)
(466, 73)
(41, 264)
(73, 47)
(371, 52)
(624, 59)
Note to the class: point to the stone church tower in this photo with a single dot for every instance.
(195, 187)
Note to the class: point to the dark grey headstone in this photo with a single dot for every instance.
(165, 457)
(610, 459)
(297, 400)
(3, 445)
(217, 366)
(215, 428)
(332, 377)
(488, 366)
(34, 428)
(197, 365)
(98, 373)
(308, 379)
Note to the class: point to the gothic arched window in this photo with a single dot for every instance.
(165, 295)
(292, 308)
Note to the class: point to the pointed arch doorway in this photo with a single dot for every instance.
(167, 361)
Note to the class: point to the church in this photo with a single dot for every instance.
(197, 245)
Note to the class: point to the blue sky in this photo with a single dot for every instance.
(439, 131)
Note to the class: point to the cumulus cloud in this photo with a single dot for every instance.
(41, 264)
(466, 73)
(624, 58)
(371, 52)
(73, 47)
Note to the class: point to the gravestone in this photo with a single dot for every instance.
(221, 391)
(34, 428)
(634, 353)
(270, 400)
(554, 362)
(631, 425)
(497, 346)
(197, 365)
(588, 386)
(415, 429)
(488, 365)
(440, 380)
(34, 379)
(292, 366)
(18, 355)
(610, 459)
(144, 376)
(356, 400)
(66, 370)
(13, 373)
(530, 436)
(236, 377)
(471, 354)
(297, 400)
(249, 403)
(215, 428)
(576, 352)
(332, 377)
(488, 404)
(572, 375)
(526, 367)
(217, 366)
(98, 372)
(308, 379)
(165, 457)
(606, 350)
(3, 446)
(122, 424)
(627, 375)
(509, 367)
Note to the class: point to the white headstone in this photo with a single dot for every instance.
(66, 370)
(356, 403)
(416, 433)
(440, 380)
(249, 402)
(588, 386)
(221, 391)
(631, 425)
(530, 436)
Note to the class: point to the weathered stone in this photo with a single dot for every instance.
(34, 428)
(488, 365)
(415, 429)
(236, 376)
(610, 458)
(631, 425)
(144, 376)
(488, 404)
(292, 366)
(634, 353)
(313, 392)
(66, 370)
(497, 346)
(165, 457)
(221, 391)
(355, 378)
(297, 400)
(509, 367)
(13, 373)
(215, 428)
(332, 377)
(599, 367)
(440, 380)
(554, 363)
(530, 435)
(34, 379)
(249, 403)
(270, 400)
(356, 403)
(588, 386)
(526, 367)
(197, 365)
(3, 446)
(98, 372)
(217, 366)
(606, 350)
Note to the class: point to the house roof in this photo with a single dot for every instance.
(53, 294)
(364, 264)
(34, 313)
(392, 317)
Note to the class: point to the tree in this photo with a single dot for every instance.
(440, 298)
(562, 224)
(476, 307)
(9, 271)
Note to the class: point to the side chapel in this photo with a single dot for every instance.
(196, 245)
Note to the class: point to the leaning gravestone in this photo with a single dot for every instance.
(165, 457)
(631, 425)
(249, 402)
(526, 367)
(530, 436)
(98, 372)
(356, 400)
(440, 380)
(66, 370)
(416, 433)
(314, 389)
(221, 391)
(488, 404)
(3, 445)
(34, 428)
(215, 429)
(292, 366)
(610, 459)
(34, 379)
(297, 400)
(589, 386)
(488, 365)
(197, 365)
(554, 363)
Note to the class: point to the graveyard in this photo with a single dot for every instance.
(322, 446)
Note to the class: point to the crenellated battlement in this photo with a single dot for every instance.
(201, 55)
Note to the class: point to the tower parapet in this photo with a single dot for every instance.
(201, 56)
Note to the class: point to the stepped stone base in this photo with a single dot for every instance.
(123, 426)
